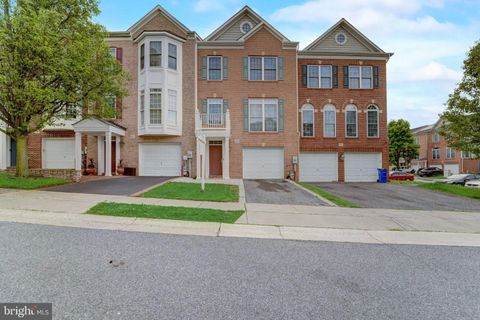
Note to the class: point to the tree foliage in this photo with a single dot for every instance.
(402, 142)
(461, 121)
(52, 57)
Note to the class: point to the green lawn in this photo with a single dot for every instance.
(163, 212)
(335, 199)
(192, 191)
(473, 193)
(8, 180)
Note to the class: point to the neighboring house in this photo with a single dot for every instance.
(242, 103)
(434, 152)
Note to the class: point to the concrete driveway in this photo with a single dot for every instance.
(118, 186)
(393, 196)
(278, 192)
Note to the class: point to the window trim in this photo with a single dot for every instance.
(350, 106)
(263, 100)
(377, 110)
(452, 151)
(308, 107)
(208, 68)
(360, 87)
(319, 66)
(155, 54)
(334, 109)
(263, 67)
(433, 153)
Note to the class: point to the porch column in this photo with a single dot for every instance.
(101, 158)
(78, 151)
(117, 151)
(226, 159)
(108, 154)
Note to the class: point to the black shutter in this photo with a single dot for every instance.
(345, 77)
(304, 76)
(376, 83)
(335, 76)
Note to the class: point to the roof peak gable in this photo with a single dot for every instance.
(149, 16)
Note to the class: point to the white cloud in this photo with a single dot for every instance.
(436, 71)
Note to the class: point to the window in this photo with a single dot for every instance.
(416, 140)
(113, 52)
(112, 103)
(320, 76)
(329, 121)
(372, 121)
(142, 57)
(172, 56)
(435, 138)
(215, 111)
(214, 68)
(308, 113)
(351, 120)
(263, 115)
(263, 68)
(435, 153)
(466, 155)
(142, 107)
(450, 153)
(245, 27)
(360, 77)
(155, 106)
(71, 111)
(172, 107)
(155, 53)
(341, 38)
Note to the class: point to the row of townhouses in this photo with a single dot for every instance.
(245, 102)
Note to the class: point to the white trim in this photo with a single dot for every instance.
(308, 107)
(378, 120)
(331, 107)
(245, 23)
(44, 150)
(350, 106)
(208, 68)
(322, 56)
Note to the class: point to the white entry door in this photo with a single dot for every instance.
(162, 160)
(318, 167)
(58, 153)
(362, 167)
(263, 163)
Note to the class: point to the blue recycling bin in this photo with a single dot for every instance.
(382, 176)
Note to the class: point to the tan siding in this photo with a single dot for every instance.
(329, 43)
(234, 33)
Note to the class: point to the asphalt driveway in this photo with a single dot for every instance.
(393, 196)
(278, 192)
(122, 186)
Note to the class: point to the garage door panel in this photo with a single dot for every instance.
(451, 169)
(318, 167)
(162, 160)
(362, 167)
(59, 153)
(262, 163)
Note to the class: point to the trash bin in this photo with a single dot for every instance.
(382, 176)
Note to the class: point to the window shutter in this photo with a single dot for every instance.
(245, 68)
(204, 68)
(225, 68)
(120, 55)
(304, 76)
(204, 105)
(281, 72)
(335, 76)
(245, 114)
(225, 105)
(281, 114)
(345, 77)
(376, 83)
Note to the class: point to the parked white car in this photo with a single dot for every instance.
(473, 183)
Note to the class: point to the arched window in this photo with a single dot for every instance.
(308, 115)
(351, 120)
(329, 121)
(372, 121)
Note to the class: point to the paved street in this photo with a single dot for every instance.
(184, 277)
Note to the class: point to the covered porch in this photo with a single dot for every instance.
(108, 135)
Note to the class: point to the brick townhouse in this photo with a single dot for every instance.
(244, 102)
(434, 152)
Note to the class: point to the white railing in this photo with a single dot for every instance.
(213, 120)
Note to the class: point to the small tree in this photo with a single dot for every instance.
(52, 57)
(402, 142)
(461, 121)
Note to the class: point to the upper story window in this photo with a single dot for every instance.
(245, 27)
(155, 53)
(351, 120)
(142, 107)
(172, 56)
(155, 106)
(320, 76)
(360, 77)
(372, 121)
(142, 57)
(113, 52)
(263, 115)
(308, 115)
(436, 137)
(341, 38)
(214, 68)
(112, 103)
(263, 68)
(71, 111)
(436, 153)
(172, 107)
(450, 153)
(466, 155)
(416, 140)
(329, 121)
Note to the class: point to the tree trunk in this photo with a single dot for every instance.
(22, 156)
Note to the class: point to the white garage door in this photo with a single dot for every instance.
(162, 160)
(58, 153)
(318, 167)
(262, 163)
(451, 169)
(362, 167)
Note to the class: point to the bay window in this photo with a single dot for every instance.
(263, 115)
(155, 53)
(172, 107)
(142, 107)
(142, 57)
(155, 106)
(172, 56)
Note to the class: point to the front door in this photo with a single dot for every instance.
(13, 153)
(215, 158)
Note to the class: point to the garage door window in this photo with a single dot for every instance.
(263, 115)
(372, 121)
(329, 121)
(351, 121)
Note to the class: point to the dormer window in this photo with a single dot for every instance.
(246, 27)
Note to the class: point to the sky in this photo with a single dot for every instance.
(429, 38)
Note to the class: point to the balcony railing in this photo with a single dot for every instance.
(213, 120)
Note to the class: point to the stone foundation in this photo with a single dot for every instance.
(68, 174)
